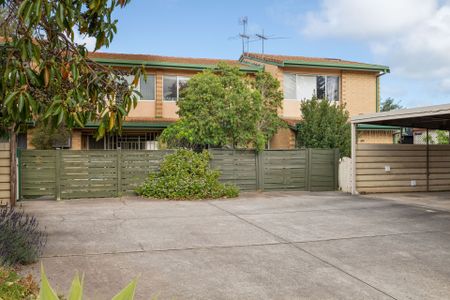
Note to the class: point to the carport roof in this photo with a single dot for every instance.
(430, 117)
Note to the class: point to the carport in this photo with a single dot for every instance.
(402, 167)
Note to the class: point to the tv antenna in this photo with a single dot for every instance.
(263, 38)
(244, 36)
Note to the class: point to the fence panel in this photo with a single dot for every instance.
(323, 169)
(136, 165)
(284, 170)
(237, 167)
(38, 173)
(5, 171)
(68, 174)
(87, 174)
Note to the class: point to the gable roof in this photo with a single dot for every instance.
(312, 62)
(168, 62)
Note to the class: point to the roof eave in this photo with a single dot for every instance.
(341, 66)
(164, 65)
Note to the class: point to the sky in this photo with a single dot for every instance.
(412, 37)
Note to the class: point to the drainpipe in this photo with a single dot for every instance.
(377, 109)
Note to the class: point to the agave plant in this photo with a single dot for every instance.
(76, 289)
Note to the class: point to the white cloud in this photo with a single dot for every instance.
(411, 36)
(83, 39)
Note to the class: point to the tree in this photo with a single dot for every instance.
(46, 136)
(442, 137)
(45, 75)
(222, 107)
(324, 125)
(390, 104)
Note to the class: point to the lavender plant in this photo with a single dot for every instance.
(21, 239)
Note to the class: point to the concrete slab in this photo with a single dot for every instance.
(257, 272)
(406, 266)
(432, 200)
(351, 247)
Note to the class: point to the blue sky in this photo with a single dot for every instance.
(410, 36)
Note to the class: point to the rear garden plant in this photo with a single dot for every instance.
(186, 174)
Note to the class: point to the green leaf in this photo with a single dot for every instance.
(10, 97)
(76, 289)
(46, 292)
(128, 292)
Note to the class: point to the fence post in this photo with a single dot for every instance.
(308, 168)
(58, 174)
(336, 168)
(19, 172)
(119, 171)
(259, 170)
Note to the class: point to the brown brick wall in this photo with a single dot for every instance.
(76, 140)
(359, 92)
(283, 139)
(375, 137)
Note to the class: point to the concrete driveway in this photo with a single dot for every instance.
(280, 245)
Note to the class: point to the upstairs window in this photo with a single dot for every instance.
(172, 85)
(145, 87)
(301, 87)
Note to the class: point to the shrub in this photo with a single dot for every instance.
(15, 287)
(186, 175)
(21, 240)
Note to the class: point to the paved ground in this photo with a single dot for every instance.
(260, 246)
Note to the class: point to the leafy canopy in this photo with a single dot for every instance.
(324, 125)
(46, 75)
(390, 104)
(222, 107)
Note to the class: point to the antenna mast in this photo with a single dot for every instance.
(244, 36)
(263, 38)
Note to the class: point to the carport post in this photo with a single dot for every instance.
(428, 162)
(353, 129)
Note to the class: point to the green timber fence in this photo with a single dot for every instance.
(69, 174)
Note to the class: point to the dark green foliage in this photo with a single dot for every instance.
(46, 137)
(390, 104)
(186, 174)
(21, 239)
(15, 287)
(324, 125)
(46, 75)
(223, 108)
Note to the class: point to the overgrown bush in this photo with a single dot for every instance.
(15, 287)
(185, 174)
(21, 240)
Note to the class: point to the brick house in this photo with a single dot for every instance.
(352, 83)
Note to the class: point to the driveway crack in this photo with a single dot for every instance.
(285, 241)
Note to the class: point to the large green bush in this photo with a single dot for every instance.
(185, 174)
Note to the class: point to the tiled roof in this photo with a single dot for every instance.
(166, 61)
(289, 60)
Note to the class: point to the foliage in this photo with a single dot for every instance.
(324, 125)
(390, 104)
(45, 74)
(21, 240)
(222, 107)
(442, 137)
(185, 174)
(76, 289)
(15, 287)
(46, 137)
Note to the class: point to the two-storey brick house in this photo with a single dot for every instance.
(356, 84)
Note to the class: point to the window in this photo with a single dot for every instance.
(172, 85)
(145, 87)
(301, 87)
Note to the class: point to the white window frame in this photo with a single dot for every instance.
(154, 87)
(178, 77)
(315, 75)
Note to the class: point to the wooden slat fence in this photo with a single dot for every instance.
(402, 168)
(68, 174)
(5, 169)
